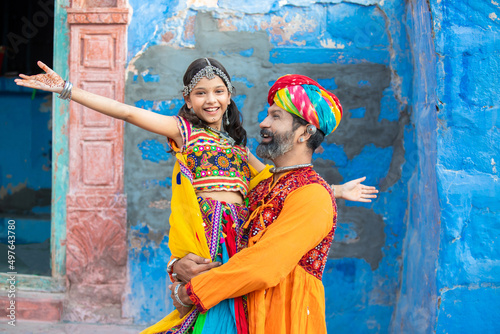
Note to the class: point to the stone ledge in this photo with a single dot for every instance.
(34, 306)
(36, 327)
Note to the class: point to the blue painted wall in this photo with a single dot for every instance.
(468, 67)
(451, 267)
(418, 81)
(417, 303)
(359, 50)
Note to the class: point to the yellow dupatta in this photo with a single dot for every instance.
(187, 234)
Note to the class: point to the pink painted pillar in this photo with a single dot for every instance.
(96, 205)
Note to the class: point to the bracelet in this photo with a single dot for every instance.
(66, 92)
(176, 295)
(170, 265)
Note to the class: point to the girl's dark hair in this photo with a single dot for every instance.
(235, 128)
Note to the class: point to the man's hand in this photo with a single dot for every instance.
(355, 191)
(191, 266)
(185, 299)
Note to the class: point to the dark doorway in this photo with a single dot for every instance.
(27, 32)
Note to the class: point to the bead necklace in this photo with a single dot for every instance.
(275, 170)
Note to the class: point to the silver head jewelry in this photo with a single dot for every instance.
(208, 72)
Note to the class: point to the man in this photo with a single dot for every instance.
(285, 243)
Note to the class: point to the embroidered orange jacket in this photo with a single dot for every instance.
(289, 235)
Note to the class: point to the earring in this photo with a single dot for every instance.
(301, 139)
(227, 117)
(311, 129)
(192, 110)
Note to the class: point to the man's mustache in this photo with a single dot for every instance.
(266, 132)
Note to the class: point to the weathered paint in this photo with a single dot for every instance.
(451, 263)
(417, 303)
(25, 176)
(148, 250)
(59, 171)
(96, 240)
(257, 42)
(60, 146)
(468, 64)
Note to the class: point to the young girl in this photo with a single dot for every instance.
(210, 181)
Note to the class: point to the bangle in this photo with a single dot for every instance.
(176, 295)
(170, 265)
(333, 189)
(66, 92)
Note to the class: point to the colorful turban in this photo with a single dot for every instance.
(304, 97)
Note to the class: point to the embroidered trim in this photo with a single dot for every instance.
(194, 298)
(269, 205)
(185, 326)
(186, 172)
(216, 227)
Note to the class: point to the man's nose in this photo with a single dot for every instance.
(264, 123)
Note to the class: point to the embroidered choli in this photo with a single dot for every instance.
(213, 162)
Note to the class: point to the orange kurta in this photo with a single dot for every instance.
(283, 295)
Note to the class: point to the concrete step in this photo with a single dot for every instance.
(38, 327)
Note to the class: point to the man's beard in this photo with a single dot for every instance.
(279, 145)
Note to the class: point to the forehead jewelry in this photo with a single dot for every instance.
(208, 72)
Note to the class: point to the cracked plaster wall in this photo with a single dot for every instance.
(451, 266)
(468, 74)
(357, 49)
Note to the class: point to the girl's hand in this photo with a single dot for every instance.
(50, 81)
(357, 192)
(181, 309)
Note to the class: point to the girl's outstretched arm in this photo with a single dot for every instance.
(255, 162)
(352, 191)
(355, 191)
(145, 119)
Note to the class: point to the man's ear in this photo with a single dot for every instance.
(304, 134)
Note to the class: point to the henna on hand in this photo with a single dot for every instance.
(50, 81)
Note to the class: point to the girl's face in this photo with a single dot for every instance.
(209, 99)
